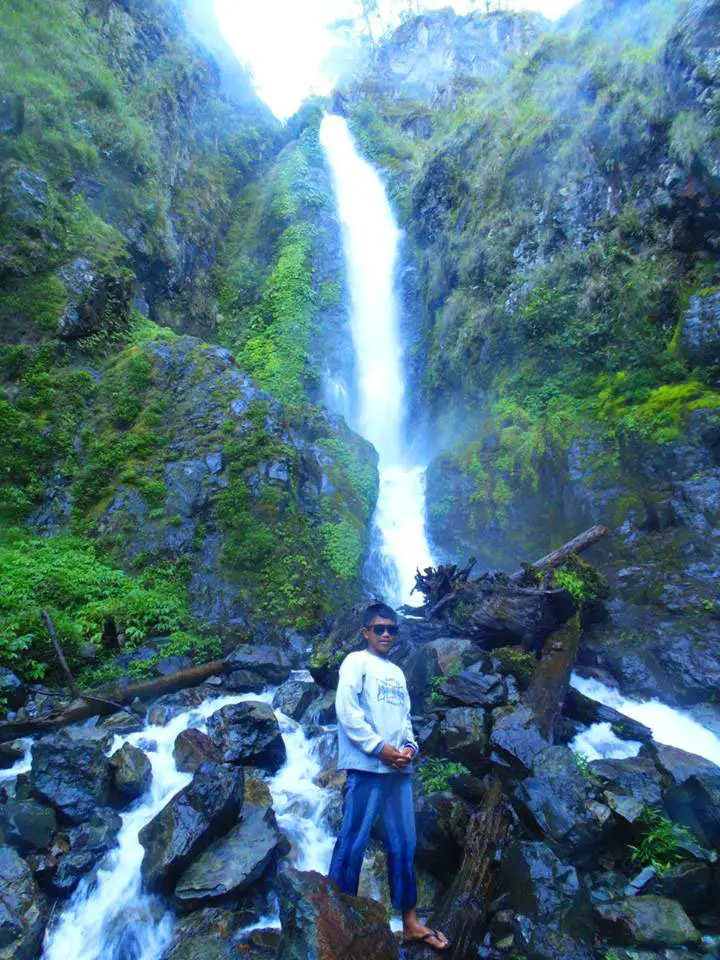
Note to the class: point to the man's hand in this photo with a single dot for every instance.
(395, 758)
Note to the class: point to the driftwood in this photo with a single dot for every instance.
(557, 557)
(118, 698)
(464, 913)
(550, 683)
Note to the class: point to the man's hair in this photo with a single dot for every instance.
(378, 609)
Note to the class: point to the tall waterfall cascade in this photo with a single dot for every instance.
(370, 242)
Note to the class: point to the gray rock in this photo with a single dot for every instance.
(27, 825)
(189, 822)
(132, 771)
(680, 765)
(465, 735)
(476, 689)
(441, 823)
(540, 885)
(646, 921)
(234, 862)
(193, 748)
(245, 681)
(173, 704)
(248, 733)
(12, 690)
(269, 662)
(22, 909)
(72, 776)
(294, 697)
(688, 882)
(699, 340)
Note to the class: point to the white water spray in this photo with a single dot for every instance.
(669, 726)
(112, 917)
(370, 242)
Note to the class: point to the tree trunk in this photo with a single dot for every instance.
(549, 685)
(556, 557)
(111, 701)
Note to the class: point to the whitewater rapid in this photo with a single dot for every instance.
(370, 244)
(112, 917)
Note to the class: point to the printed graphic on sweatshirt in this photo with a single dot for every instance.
(390, 691)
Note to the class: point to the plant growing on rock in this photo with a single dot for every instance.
(659, 845)
(435, 773)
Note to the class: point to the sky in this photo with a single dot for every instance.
(286, 42)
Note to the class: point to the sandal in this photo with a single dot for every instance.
(432, 935)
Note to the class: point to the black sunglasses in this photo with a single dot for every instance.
(380, 628)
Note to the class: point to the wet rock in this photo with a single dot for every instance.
(687, 882)
(22, 909)
(546, 942)
(441, 657)
(680, 765)
(234, 862)
(193, 748)
(248, 733)
(91, 295)
(646, 921)
(172, 705)
(441, 821)
(319, 921)
(322, 710)
(696, 804)
(294, 697)
(72, 776)
(699, 340)
(132, 771)
(257, 792)
(12, 690)
(245, 681)
(269, 662)
(123, 722)
(70, 871)
(10, 753)
(465, 737)
(629, 784)
(540, 885)
(208, 934)
(98, 834)
(505, 617)
(27, 825)
(516, 740)
(476, 689)
(192, 819)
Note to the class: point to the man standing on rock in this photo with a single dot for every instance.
(376, 746)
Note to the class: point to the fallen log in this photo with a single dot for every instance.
(463, 914)
(549, 686)
(557, 557)
(59, 653)
(586, 710)
(110, 701)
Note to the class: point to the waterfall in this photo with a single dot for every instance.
(111, 916)
(370, 243)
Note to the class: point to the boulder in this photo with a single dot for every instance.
(12, 690)
(84, 847)
(696, 804)
(132, 771)
(321, 710)
(544, 941)
(629, 784)
(71, 775)
(646, 921)
(172, 705)
(699, 340)
(268, 662)
(539, 884)
(70, 870)
(321, 923)
(441, 822)
(22, 909)
(516, 739)
(208, 934)
(189, 822)
(680, 765)
(688, 882)
(248, 733)
(27, 825)
(245, 681)
(234, 862)
(193, 748)
(294, 697)
(464, 733)
(476, 689)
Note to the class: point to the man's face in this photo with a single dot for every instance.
(378, 637)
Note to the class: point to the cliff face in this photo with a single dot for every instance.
(146, 195)
(563, 223)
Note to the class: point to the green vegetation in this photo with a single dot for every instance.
(81, 592)
(582, 581)
(659, 845)
(517, 661)
(435, 773)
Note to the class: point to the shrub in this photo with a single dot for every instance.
(435, 773)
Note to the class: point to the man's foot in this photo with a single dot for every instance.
(419, 934)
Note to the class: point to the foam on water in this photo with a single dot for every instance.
(22, 765)
(669, 726)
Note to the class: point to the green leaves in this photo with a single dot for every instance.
(435, 773)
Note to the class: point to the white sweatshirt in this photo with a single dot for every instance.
(373, 708)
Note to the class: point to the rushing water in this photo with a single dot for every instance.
(22, 765)
(669, 726)
(112, 917)
(370, 243)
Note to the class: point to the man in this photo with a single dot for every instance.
(376, 746)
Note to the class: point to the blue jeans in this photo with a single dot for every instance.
(367, 796)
